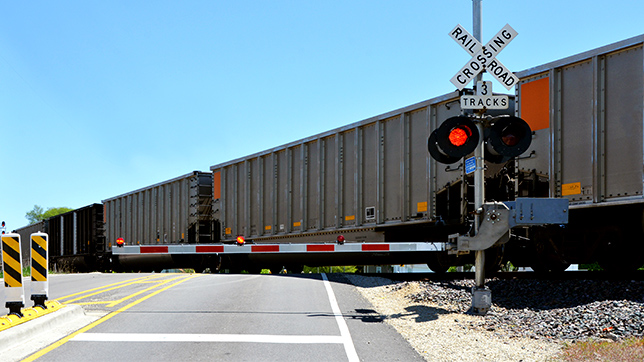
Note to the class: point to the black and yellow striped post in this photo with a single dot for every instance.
(39, 269)
(12, 267)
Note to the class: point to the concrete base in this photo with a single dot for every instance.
(24, 339)
(481, 300)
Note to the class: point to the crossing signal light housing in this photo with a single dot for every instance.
(453, 140)
(508, 137)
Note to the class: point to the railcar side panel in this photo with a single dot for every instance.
(622, 103)
(592, 106)
(76, 239)
(372, 173)
(174, 211)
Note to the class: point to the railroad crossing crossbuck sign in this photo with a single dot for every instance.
(484, 57)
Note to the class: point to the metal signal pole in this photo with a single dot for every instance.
(481, 297)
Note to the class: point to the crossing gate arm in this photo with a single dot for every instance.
(205, 249)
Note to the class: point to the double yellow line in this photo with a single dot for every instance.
(177, 280)
(106, 288)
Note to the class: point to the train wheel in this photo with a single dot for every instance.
(214, 264)
(276, 269)
(439, 262)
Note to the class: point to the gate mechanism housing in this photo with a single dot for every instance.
(496, 220)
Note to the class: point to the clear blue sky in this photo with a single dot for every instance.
(99, 98)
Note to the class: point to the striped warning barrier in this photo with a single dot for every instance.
(12, 267)
(39, 269)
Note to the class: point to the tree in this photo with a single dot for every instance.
(38, 214)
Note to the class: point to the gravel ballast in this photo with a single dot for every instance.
(529, 320)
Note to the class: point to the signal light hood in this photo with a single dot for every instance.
(508, 137)
(454, 139)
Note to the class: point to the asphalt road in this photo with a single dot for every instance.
(205, 317)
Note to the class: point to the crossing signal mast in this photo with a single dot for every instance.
(496, 139)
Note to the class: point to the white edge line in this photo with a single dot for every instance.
(349, 348)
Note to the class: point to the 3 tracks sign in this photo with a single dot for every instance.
(484, 98)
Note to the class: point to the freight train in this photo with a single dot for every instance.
(370, 193)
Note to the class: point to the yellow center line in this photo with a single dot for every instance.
(113, 303)
(124, 283)
(161, 282)
(106, 290)
(62, 341)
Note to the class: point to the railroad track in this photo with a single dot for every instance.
(569, 275)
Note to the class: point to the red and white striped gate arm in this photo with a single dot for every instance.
(276, 248)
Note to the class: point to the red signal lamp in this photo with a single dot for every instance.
(240, 240)
(120, 242)
(458, 136)
(340, 239)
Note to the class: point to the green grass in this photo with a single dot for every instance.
(590, 267)
(330, 269)
(26, 272)
(631, 349)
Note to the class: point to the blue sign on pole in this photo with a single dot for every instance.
(470, 165)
